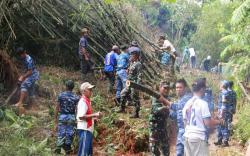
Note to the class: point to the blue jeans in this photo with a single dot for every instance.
(120, 81)
(85, 143)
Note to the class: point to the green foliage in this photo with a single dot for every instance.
(14, 135)
(212, 24)
(242, 128)
(237, 53)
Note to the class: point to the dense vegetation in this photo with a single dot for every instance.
(50, 29)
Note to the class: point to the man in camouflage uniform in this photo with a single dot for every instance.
(134, 74)
(158, 135)
(28, 79)
(224, 113)
(65, 122)
(176, 113)
(233, 102)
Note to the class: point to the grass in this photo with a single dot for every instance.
(15, 136)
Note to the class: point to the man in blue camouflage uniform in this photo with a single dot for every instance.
(65, 122)
(121, 72)
(184, 95)
(233, 102)
(224, 113)
(134, 74)
(208, 97)
(110, 64)
(27, 79)
(158, 135)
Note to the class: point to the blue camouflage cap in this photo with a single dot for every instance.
(225, 83)
(134, 50)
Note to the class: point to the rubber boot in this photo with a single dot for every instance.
(225, 144)
(58, 150)
(135, 114)
(122, 106)
(67, 149)
(219, 142)
(121, 110)
(117, 101)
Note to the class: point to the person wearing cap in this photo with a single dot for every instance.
(28, 79)
(223, 113)
(84, 55)
(197, 117)
(134, 74)
(85, 120)
(121, 71)
(65, 117)
(158, 132)
(134, 47)
(110, 63)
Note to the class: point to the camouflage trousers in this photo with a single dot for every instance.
(130, 93)
(65, 135)
(223, 131)
(158, 142)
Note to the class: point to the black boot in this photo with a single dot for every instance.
(225, 144)
(135, 115)
(117, 101)
(219, 142)
(121, 110)
(58, 150)
(122, 106)
(67, 149)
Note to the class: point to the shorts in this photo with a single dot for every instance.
(28, 85)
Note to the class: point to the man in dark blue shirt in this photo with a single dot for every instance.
(27, 79)
(84, 55)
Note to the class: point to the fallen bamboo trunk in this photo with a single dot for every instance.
(143, 89)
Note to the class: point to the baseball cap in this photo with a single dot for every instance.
(86, 85)
(115, 47)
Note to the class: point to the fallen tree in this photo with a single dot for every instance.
(49, 29)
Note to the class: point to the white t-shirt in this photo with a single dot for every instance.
(191, 52)
(194, 112)
(167, 43)
(81, 111)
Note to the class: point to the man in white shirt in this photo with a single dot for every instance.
(168, 45)
(85, 120)
(192, 57)
(197, 117)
